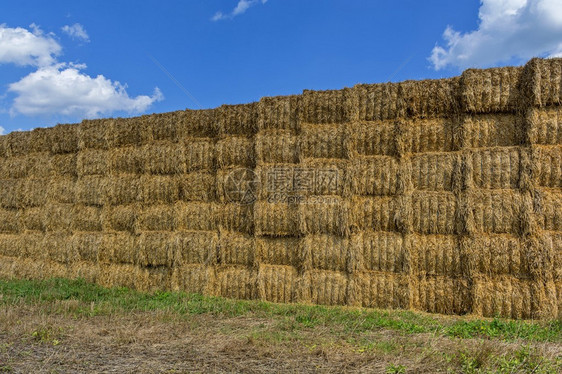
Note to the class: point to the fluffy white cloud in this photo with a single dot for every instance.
(2, 130)
(76, 31)
(241, 8)
(23, 47)
(64, 89)
(508, 29)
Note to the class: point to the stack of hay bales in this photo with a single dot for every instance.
(438, 195)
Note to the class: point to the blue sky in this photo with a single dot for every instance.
(62, 61)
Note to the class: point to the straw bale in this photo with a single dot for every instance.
(29, 245)
(198, 186)
(442, 294)
(370, 138)
(86, 218)
(329, 177)
(93, 190)
(236, 185)
(433, 171)
(235, 282)
(118, 275)
(428, 98)
(381, 290)
(39, 165)
(4, 147)
(87, 245)
(278, 251)
(495, 211)
(128, 160)
(380, 251)
(123, 131)
(549, 166)
(236, 249)
(327, 287)
(374, 175)
(539, 257)
(157, 127)
(280, 112)
(374, 213)
(544, 301)
(326, 106)
(11, 245)
(153, 279)
(199, 154)
(64, 165)
(17, 143)
(494, 168)
(93, 133)
(7, 266)
(239, 119)
(195, 216)
(490, 90)
(14, 167)
(375, 101)
(492, 130)
(37, 269)
(61, 190)
(58, 247)
(434, 255)
(155, 248)
(192, 279)
(322, 141)
(63, 139)
(276, 146)
(327, 252)
(156, 218)
(545, 125)
(433, 212)
(58, 217)
(543, 81)
(235, 151)
(429, 135)
(38, 140)
(157, 189)
(118, 247)
(236, 217)
(32, 219)
(503, 296)
(32, 192)
(494, 254)
(10, 221)
(195, 247)
(9, 193)
(83, 270)
(552, 244)
(324, 215)
(276, 219)
(277, 283)
(164, 158)
(92, 162)
(200, 123)
(558, 286)
(120, 218)
(273, 182)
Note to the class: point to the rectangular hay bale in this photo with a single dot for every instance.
(279, 251)
(374, 213)
(324, 215)
(434, 212)
(372, 289)
(235, 282)
(490, 90)
(374, 175)
(433, 171)
(195, 247)
(193, 279)
(235, 151)
(275, 219)
(277, 283)
(276, 146)
(236, 249)
(280, 112)
(322, 141)
(381, 251)
(195, 216)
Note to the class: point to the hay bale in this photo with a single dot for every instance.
(549, 166)
(157, 189)
(381, 251)
(277, 283)
(442, 294)
(93, 133)
(276, 146)
(429, 135)
(330, 106)
(239, 119)
(543, 81)
(278, 251)
(327, 215)
(14, 167)
(126, 160)
(158, 127)
(118, 275)
(381, 290)
(275, 219)
(236, 249)
(39, 140)
(63, 139)
(235, 282)
(329, 177)
(195, 216)
(370, 138)
(83, 270)
(32, 192)
(32, 219)
(198, 186)
(545, 125)
(29, 245)
(433, 171)
(86, 218)
(495, 211)
(11, 245)
(199, 154)
(59, 217)
(119, 247)
(549, 215)
(236, 185)
(504, 296)
(552, 244)
(235, 151)
(434, 212)
(198, 123)
(38, 165)
(61, 190)
(123, 131)
(428, 98)
(195, 247)
(18, 143)
(327, 252)
(9, 193)
(155, 248)
(95, 190)
(279, 113)
(198, 279)
(64, 165)
(10, 221)
(322, 141)
(374, 213)
(129, 189)
(87, 245)
(494, 168)
(164, 158)
(92, 162)
(374, 175)
(153, 279)
(156, 218)
(375, 102)
(490, 90)
(273, 182)
(236, 217)
(327, 287)
(492, 130)
(432, 255)
(121, 218)
(495, 254)
(57, 246)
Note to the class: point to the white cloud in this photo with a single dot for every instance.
(76, 31)
(508, 29)
(23, 47)
(64, 89)
(241, 8)
(2, 130)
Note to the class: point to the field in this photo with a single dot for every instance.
(59, 326)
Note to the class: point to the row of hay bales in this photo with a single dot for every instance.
(440, 196)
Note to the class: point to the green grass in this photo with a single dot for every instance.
(91, 300)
